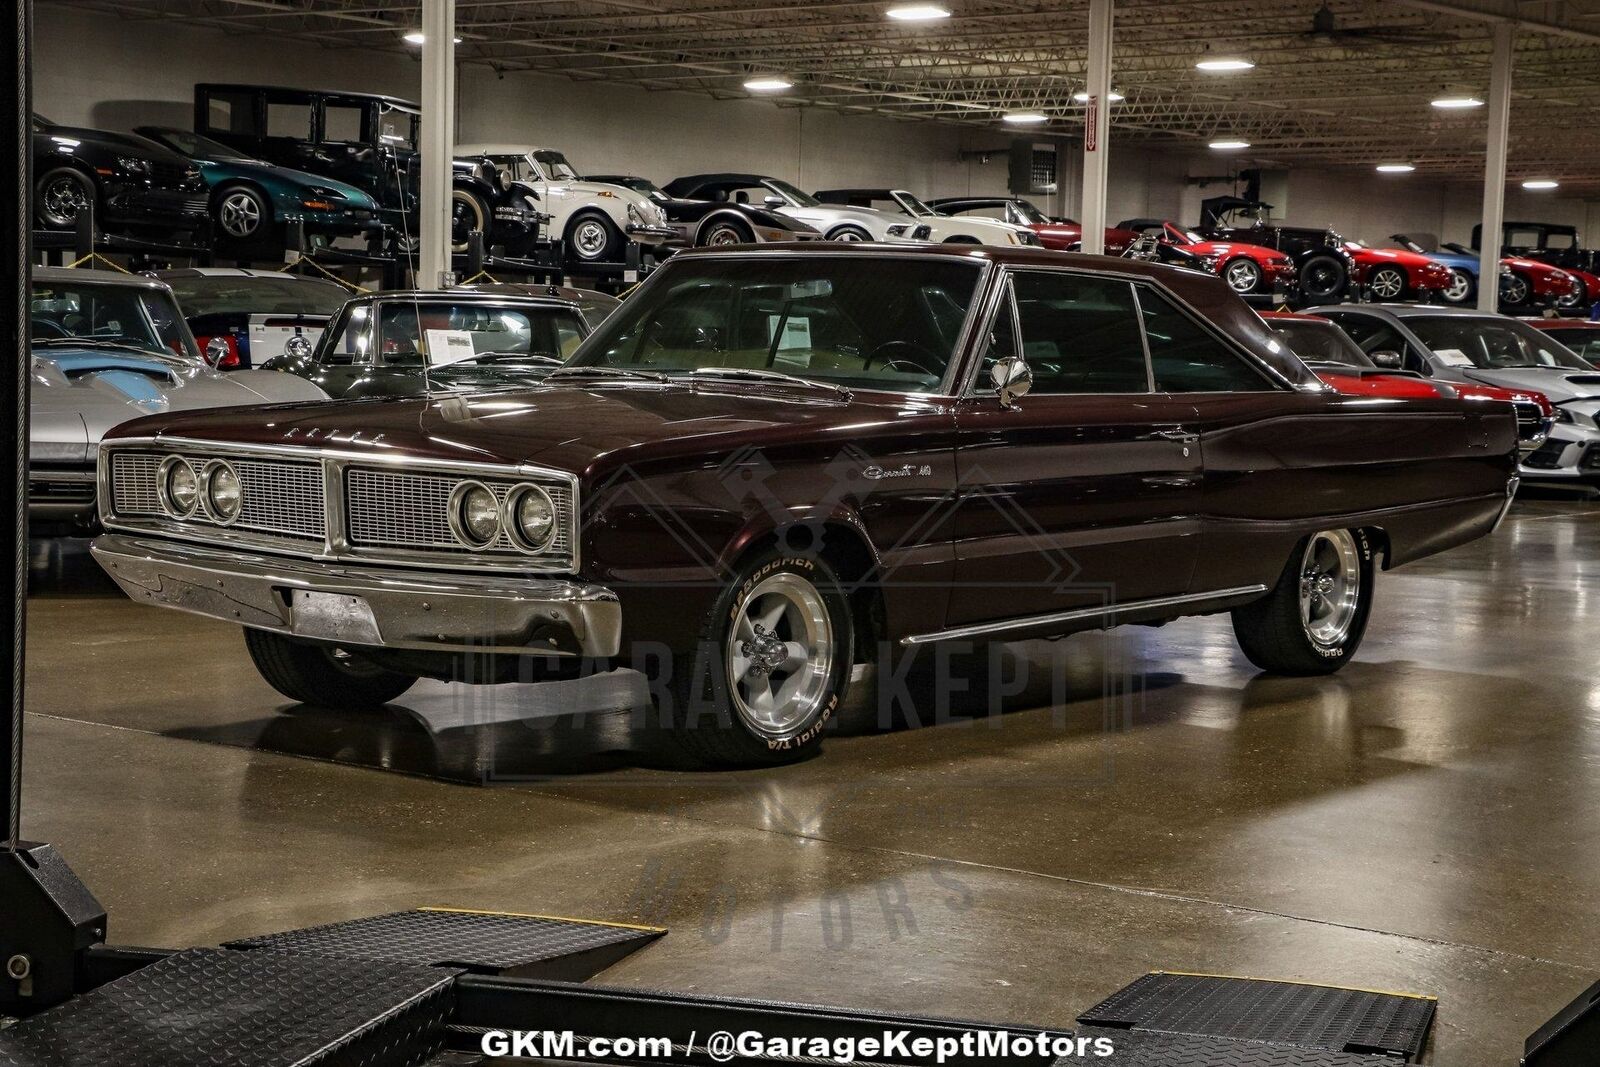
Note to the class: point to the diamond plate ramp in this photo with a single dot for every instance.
(213, 1008)
(514, 946)
(1138, 1049)
(1287, 1013)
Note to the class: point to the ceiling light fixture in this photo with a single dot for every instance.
(1230, 145)
(1223, 64)
(918, 12)
(771, 84)
(1541, 183)
(1082, 96)
(417, 37)
(1395, 168)
(1025, 118)
(1457, 103)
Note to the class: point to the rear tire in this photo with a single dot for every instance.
(732, 702)
(849, 233)
(725, 232)
(593, 238)
(1323, 278)
(59, 196)
(321, 674)
(1315, 617)
(1463, 288)
(468, 212)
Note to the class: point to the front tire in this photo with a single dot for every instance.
(240, 213)
(60, 195)
(1516, 291)
(770, 668)
(725, 232)
(593, 239)
(1243, 275)
(1387, 284)
(321, 674)
(1323, 278)
(468, 212)
(849, 233)
(1463, 288)
(1315, 617)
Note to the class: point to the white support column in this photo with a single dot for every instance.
(1097, 128)
(438, 139)
(1494, 169)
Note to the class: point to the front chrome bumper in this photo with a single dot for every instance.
(410, 609)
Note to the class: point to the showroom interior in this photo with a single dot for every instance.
(1015, 831)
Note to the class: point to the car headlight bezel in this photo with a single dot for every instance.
(218, 473)
(518, 527)
(134, 165)
(167, 475)
(477, 529)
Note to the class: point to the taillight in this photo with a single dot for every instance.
(221, 350)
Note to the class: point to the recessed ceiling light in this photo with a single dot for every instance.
(1541, 183)
(1395, 168)
(1025, 118)
(1229, 146)
(918, 12)
(1223, 64)
(1082, 96)
(772, 84)
(417, 37)
(1457, 103)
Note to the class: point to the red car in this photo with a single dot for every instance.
(1529, 282)
(1580, 335)
(1390, 274)
(1585, 294)
(1246, 268)
(1341, 363)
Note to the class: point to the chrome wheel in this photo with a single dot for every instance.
(1514, 289)
(589, 238)
(239, 213)
(850, 235)
(1243, 276)
(1460, 288)
(779, 655)
(1571, 298)
(61, 199)
(724, 234)
(1388, 283)
(1330, 587)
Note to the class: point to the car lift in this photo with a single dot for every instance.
(423, 987)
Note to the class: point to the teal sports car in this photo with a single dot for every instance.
(253, 200)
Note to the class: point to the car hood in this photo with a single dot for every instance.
(270, 173)
(1221, 249)
(591, 429)
(1559, 385)
(621, 192)
(123, 142)
(104, 389)
(1389, 255)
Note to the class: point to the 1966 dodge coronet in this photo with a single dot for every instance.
(770, 464)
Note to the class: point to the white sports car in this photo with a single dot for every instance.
(836, 222)
(961, 229)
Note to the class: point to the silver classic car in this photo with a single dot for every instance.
(107, 348)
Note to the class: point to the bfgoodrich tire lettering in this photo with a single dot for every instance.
(322, 675)
(770, 666)
(1315, 617)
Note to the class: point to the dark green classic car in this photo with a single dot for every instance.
(411, 343)
(252, 200)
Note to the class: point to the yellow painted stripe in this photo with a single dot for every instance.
(1290, 981)
(552, 918)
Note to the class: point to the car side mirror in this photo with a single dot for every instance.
(773, 201)
(1387, 360)
(1011, 378)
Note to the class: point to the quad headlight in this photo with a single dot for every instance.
(475, 514)
(178, 487)
(533, 518)
(221, 495)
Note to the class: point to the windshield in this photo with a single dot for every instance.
(437, 333)
(1584, 340)
(1491, 344)
(122, 316)
(556, 165)
(800, 199)
(1409, 245)
(1322, 342)
(197, 147)
(638, 185)
(1029, 213)
(913, 205)
(842, 320)
(397, 127)
(257, 296)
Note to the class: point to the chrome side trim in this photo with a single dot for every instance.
(1105, 611)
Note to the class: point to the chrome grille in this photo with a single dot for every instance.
(409, 509)
(133, 483)
(280, 498)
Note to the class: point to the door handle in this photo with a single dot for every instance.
(1179, 434)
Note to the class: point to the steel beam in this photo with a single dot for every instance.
(14, 240)
(1097, 128)
(1494, 168)
(437, 140)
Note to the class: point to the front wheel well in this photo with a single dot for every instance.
(846, 550)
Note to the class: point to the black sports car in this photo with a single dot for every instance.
(705, 222)
(133, 184)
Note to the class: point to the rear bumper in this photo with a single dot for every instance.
(409, 609)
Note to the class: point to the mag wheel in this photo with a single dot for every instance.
(725, 233)
(1461, 289)
(239, 212)
(1242, 275)
(1387, 283)
(770, 668)
(849, 233)
(1313, 620)
(63, 193)
(1515, 290)
(593, 239)
(322, 674)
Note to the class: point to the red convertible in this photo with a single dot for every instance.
(1340, 362)
(1390, 274)
(1246, 268)
(771, 464)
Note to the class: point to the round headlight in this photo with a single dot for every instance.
(534, 518)
(474, 514)
(222, 497)
(178, 487)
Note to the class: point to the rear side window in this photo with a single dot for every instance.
(231, 113)
(289, 120)
(341, 122)
(1188, 358)
(1080, 334)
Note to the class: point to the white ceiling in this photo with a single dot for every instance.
(1357, 95)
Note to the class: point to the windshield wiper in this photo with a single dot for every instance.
(753, 374)
(514, 357)
(604, 372)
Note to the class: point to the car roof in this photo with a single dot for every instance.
(236, 272)
(245, 87)
(79, 275)
(498, 148)
(974, 200)
(695, 181)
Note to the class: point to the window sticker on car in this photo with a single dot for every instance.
(449, 346)
(1452, 357)
(796, 332)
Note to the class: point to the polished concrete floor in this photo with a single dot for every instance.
(1429, 820)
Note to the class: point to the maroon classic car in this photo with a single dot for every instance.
(771, 464)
